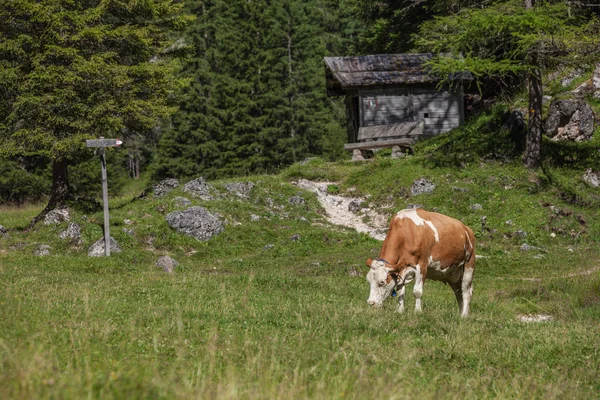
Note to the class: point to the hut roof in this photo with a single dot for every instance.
(343, 73)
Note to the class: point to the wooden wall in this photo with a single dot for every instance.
(441, 111)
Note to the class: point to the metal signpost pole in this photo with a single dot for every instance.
(105, 201)
(102, 144)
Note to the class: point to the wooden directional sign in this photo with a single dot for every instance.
(103, 142)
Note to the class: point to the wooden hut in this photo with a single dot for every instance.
(391, 99)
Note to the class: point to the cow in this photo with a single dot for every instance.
(419, 245)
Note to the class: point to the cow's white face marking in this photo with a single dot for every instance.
(380, 288)
(414, 217)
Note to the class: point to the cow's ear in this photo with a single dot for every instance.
(369, 261)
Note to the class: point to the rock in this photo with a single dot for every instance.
(57, 216)
(296, 200)
(167, 263)
(72, 232)
(591, 178)
(268, 247)
(527, 247)
(520, 233)
(97, 249)
(354, 206)
(596, 81)
(240, 189)
(546, 99)
(353, 271)
(459, 189)
(566, 81)
(413, 206)
(200, 188)
(397, 152)
(570, 120)
(421, 186)
(476, 207)
(254, 217)
(164, 187)
(357, 155)
(182, 201)
(42, 250)
(295, 237)
(508, 222)
(586, 88)
(196, 222)
(129, 232)
(3, 231)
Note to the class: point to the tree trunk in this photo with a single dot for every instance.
(60, 190)
(533, 145)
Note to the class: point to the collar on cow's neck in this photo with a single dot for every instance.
(385, 261)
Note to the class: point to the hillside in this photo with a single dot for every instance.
(274, 306)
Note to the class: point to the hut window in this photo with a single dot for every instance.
(426, 115)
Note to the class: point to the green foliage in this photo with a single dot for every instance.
(485, 137)
(28, 180)
(503, 39)
(257, 101)
(77, 70)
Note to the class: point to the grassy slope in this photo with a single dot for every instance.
(241, 320)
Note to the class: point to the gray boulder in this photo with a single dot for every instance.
(42, 250)
(3, 231)
(596, 81)
(240, 189)
(57, 216)
(591, 178)
(97, 249)
(196, 222)
(296, 200)
(200, 188)
(182, 202)
(421, 186)
(164, 187)
(167, 263)
(570, 120)
(354, 206)
(72, 232)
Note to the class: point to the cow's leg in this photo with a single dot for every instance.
(418, 288)
(457, 289)
(467, 289)
(400, 306)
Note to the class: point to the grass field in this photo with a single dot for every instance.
(242, 319)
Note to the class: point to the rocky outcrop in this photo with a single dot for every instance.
(167, 263)
(42, 250)
(164, 187)
(421, 186)
(240, 189)
(97, 249)
(182, 202)
(57, 216)
(596, 81)
(196, 222)
(200, 188)
(72, 232)
(591, 178)
(570, 120)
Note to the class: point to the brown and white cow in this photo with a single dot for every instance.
(423, 245)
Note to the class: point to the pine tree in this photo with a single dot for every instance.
(74, 70)
(258, 99)
(509, 39)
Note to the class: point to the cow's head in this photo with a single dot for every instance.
(381, 280)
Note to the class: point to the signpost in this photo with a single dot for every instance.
(101, 144)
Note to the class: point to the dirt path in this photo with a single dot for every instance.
(338, 213)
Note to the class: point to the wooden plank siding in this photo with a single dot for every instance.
(441, 111)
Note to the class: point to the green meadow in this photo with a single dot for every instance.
(256, 313)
